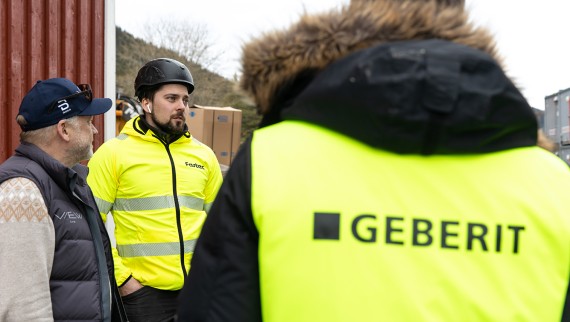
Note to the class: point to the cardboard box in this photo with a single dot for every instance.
(222, 137)
(217, 127)
(201, 124)
(236, 133)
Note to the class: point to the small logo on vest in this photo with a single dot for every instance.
(194, 165)
(70, 215)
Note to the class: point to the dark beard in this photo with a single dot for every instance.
(168, 127)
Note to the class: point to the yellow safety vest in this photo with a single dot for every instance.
(352, 233)
(153, 191)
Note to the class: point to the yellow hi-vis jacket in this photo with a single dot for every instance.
(158, 195)
(377, 236)
(369, 235)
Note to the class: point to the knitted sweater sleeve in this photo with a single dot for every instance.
(27, 240)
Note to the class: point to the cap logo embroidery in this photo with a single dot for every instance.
(64, 107)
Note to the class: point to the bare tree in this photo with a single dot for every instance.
(190, 40)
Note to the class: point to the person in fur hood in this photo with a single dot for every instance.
(395, 176)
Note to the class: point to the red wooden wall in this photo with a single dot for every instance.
(42, 39)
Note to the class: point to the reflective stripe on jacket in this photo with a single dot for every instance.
(158, 195)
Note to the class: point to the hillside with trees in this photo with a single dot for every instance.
(211, 88)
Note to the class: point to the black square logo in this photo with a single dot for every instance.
(326, 226)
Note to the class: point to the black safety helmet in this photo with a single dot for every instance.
(162, 71)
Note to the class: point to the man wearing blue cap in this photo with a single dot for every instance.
(56, 253)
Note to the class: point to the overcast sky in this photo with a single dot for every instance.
(533, 36)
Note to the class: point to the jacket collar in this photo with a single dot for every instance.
(63, 176)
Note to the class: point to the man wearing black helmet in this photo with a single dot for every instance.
(158, 182)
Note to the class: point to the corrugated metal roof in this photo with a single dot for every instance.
(43, 39)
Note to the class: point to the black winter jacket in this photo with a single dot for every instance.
(409, 77)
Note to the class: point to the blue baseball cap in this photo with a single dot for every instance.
(55, 99)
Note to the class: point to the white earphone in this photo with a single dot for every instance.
(148, 108)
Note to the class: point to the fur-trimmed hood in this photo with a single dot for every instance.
(407, 76)
(276, 59)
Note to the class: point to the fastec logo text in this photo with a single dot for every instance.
(421, 232)
(194, 165)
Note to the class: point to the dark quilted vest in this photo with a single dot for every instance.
(77, 292)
